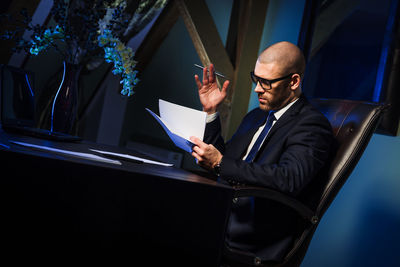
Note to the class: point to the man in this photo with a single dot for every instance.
(296, 149)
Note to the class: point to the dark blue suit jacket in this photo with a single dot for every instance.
(295, 151)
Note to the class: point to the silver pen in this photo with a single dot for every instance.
(216, 73)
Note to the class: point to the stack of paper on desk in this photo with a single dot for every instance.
(180, 123)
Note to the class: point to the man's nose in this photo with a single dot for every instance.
(258, 88)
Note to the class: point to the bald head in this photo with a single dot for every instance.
(286, 55)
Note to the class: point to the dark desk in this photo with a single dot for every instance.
(58, 208)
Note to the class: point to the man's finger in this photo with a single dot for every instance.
(196, 156)
(198, 142)
(224, 89)
(211, 78)
(198, 83)
(205, 76)
(198, 150)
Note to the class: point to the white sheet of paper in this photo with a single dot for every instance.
(180, 123)
(127, 156)
(183, 121)
(69, 153)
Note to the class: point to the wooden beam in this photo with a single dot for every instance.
(231, 40)
(205, 36)
(208, 44)
(160, 29)
(251, 24)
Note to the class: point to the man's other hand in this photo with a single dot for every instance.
(207, 155)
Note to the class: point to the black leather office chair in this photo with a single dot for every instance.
(353, 123)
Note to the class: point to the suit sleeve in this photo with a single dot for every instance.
(212, 135)
(306, 150)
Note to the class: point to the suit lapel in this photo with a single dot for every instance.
(289, 115)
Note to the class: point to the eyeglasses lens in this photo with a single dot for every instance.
(264, 83)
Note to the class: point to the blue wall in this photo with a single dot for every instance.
(362, 226)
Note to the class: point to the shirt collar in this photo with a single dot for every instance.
(280, 112)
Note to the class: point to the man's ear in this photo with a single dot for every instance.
(295, 82)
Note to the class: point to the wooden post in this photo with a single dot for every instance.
(250, 24)
(209, 46)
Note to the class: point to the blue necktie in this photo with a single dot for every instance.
(253, 152)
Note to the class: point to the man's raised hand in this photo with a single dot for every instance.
(210, 94)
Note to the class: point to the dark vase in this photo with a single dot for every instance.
(65, 104)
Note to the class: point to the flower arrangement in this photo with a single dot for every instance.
(122, 57)
(84, 32)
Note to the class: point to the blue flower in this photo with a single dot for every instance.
(47, 33)
(34, 51)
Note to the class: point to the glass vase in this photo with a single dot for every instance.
(65, 104)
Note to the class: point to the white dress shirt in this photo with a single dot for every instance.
(277, 114)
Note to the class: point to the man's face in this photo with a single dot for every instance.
(279, 94)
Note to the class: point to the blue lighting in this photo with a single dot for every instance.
(55, 98)
(29, 84)
(385, 50)
(5, 146)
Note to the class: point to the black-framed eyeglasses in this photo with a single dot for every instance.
(266, 84)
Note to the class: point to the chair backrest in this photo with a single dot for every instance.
(353, 123)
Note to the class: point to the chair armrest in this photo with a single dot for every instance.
(262, 192)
